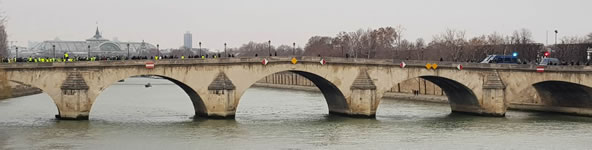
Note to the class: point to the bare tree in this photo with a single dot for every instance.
(319, 45)
(573, 40)
(589, 38)
(252, 48)
(3, 38)
(451, 40)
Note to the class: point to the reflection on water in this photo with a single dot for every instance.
(129, 116)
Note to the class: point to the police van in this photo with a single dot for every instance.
(501, 59)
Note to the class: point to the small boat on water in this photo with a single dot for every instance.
(148, 85)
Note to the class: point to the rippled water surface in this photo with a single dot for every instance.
(129, 116)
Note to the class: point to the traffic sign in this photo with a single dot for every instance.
(149, 65)
(428, 66)
(459, 67)
(403, 64)
(540, 69)
(434, 66)
(294, 60)
(264, 62)
(323, 61)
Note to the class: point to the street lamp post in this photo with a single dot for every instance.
(294, 49)
(200, 49)
(54, 56)
(158, 50)
(88, 52)
(225, 54)
(269, 50)
(128, 50)
(341, 50)
(556, 32)
(17, 52)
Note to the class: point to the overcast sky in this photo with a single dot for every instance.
(284, 21)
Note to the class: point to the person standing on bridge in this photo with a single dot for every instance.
(66, 56)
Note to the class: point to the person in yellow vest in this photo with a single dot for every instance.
(182, 57)
(155, 57)
(30, 59)
(203, 57)
(66, 56)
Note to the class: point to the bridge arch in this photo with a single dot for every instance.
(564, 94)
(457, 93)
(6, 90)
(460, 97)
(195, 98)
(334, 97)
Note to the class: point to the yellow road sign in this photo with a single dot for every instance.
(294, 60)
(435, 66)
(428, 66)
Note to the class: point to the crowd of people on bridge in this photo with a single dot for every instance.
(67, 58)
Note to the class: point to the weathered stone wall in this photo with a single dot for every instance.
(286, 78)
(419, 85)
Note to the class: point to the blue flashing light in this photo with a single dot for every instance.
(515, 54)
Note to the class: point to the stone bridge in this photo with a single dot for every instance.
(351, 87)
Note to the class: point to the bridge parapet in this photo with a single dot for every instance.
(302, 59)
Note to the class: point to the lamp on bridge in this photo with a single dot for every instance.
(127, 50)
(54, 56)
(269, 50)
(556, 32)
(88, 52)
(199, 49)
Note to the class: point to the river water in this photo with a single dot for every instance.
(129, 116)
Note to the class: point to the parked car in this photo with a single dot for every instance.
(501, 59)
(550, 61)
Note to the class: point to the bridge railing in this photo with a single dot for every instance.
(301, 59)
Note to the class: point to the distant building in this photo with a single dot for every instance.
(188, 40)
(98, 47)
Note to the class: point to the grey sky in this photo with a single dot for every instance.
(284, 21)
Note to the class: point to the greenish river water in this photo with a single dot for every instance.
(129, 116)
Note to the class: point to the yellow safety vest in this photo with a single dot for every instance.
(203, 57)
(66, 55)
(182, 57)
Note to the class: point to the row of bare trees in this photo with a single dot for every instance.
(265, 49)
(370, 43)
(450, 45)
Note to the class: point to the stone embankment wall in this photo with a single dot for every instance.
(413, 89)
